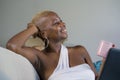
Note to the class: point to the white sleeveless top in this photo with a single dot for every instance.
(64, 72)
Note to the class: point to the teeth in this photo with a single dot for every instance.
(64, 30)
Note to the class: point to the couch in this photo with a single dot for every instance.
(15, 67)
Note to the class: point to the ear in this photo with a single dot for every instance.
(43, 34)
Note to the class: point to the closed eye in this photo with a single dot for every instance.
(57, 22)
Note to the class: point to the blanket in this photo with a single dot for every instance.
(64, 72)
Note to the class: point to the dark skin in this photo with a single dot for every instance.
(45, 61)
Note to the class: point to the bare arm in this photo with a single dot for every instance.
(101, 67)
(17, 43)
(89, 61)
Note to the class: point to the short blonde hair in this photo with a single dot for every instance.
(40, 15)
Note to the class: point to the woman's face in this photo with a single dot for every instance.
(55, 28)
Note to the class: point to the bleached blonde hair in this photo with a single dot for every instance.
(40, 15)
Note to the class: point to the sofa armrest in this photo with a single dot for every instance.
(15, 67)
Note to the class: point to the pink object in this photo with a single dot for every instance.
(104, 47)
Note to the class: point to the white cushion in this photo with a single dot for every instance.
(15, 67)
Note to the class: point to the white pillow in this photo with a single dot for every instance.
(15, 67)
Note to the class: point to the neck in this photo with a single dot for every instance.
(54, 47)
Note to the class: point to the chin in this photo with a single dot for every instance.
(65, 37)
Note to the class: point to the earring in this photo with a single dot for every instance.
(46, 41)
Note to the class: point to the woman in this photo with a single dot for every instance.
(55, 62)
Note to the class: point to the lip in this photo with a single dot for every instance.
(64, 31)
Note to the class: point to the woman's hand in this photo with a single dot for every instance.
(34, 27)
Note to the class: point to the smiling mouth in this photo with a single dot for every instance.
(64, 31)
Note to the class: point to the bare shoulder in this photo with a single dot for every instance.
(77, 50)
(77, 47)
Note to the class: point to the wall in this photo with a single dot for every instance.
(87, 21)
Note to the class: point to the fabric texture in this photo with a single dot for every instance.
(15, 67)
(97, 65)
(64, 72)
